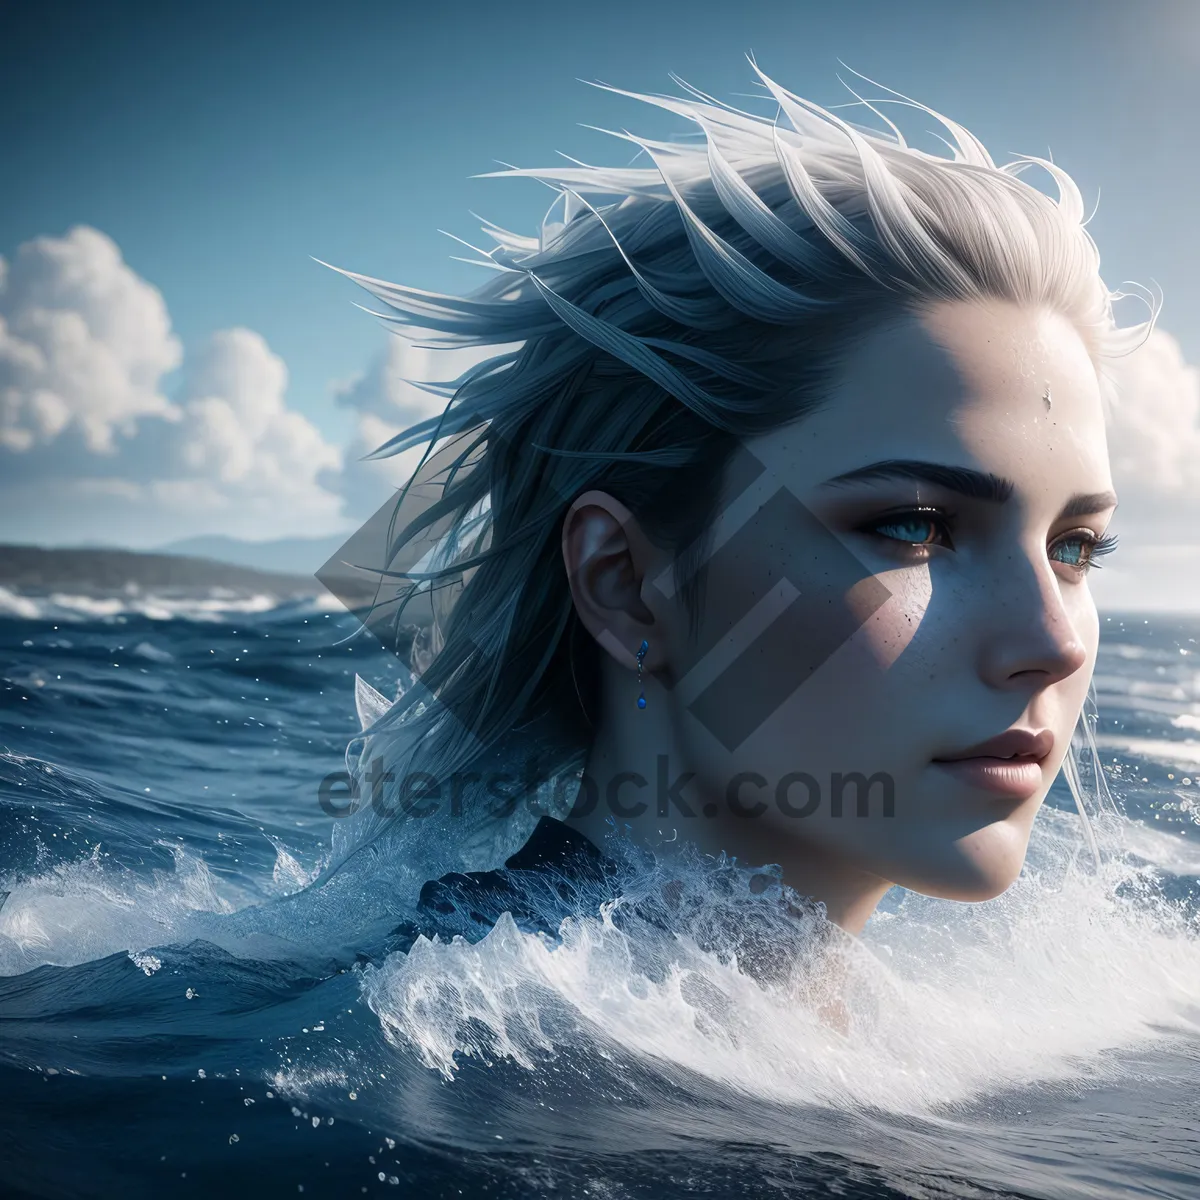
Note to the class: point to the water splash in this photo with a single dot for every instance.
(946, 1001)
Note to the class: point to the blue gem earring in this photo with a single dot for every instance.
(641, 654)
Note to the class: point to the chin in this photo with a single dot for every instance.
(970, 888)
(979, 867)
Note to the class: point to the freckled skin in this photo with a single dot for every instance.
(969, 640)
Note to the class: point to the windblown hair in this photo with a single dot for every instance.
(665, 313)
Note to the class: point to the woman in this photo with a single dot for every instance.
(766, 530)
(776, 523)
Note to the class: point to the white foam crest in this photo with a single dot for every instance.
(288, 874)
(14, 605)
(212, 605)
(324, 602)
(83, 910)
(1133, 653)
(1119, 687)
(1161, 750)
(945, 1001)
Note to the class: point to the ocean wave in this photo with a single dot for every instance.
(949, 1001)
(213, 604)
(85, 909)
(169, 921)
(941, 1002)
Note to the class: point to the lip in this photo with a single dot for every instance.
(1008, 765)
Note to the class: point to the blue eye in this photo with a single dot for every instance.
(921, 531)
(1080, 549)
(1074, 553)
(916, 527)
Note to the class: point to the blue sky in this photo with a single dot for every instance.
(219, 146)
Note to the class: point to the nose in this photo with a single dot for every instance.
(1033, 642)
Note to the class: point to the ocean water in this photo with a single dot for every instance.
(181, 1013)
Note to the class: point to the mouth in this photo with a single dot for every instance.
(1009, 765)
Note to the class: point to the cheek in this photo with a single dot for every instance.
(784, 599)
(821, 691)
(889, 631)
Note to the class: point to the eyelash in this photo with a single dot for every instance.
(1093, 546)
(1096, 547)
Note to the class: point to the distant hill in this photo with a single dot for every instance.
(293, 556)
(87, 570)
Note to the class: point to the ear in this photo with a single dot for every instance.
(610, 565)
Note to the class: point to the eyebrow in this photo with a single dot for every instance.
(975, 485)
(1093, 502)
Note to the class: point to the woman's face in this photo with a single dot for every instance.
(904, 581)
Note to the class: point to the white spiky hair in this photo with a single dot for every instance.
(778, 225)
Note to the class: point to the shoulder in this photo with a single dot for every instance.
(557, 873)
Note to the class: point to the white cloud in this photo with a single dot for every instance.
(1154, 438)
(236, 429)
(1154, 445)
(84, 342)
(91, 447)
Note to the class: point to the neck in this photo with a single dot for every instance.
(626, 777)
